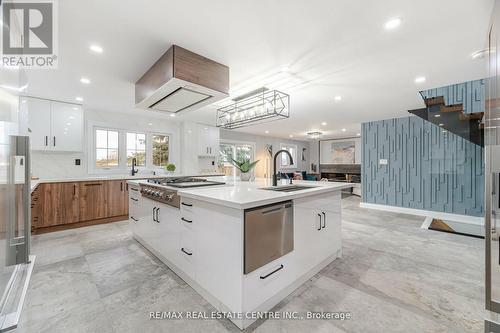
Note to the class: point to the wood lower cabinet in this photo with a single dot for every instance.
(78, 203)
(116, 198)
(59, 204)
(92, 200)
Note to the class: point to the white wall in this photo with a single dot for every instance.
(261, 153)
(325, 150)
(62, 165)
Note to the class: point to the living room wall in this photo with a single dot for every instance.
(426, 168)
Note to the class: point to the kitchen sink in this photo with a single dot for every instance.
(288, 188)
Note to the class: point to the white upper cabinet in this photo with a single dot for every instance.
(37, 113)
(67, 126)
(53, 126)
(208, 140)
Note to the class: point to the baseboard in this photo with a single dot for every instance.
(426, 213)
(60, 227)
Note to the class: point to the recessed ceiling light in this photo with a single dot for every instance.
(420, 79)
(479, 54)
(358, 134)
(96, 48)
(267, 132)
(284, 69)
(68, 124)
(85, 80)
(437, 115)
(150, 124)
(392, 23)
(338, 98)
(172, 115)
(343, 130)
(79, 99)
(441, 124)
(324, 123)
(291, 135)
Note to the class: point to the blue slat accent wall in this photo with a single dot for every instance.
(426, 169)
(471, 94)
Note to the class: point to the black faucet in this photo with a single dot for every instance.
(134, 164)
(275, 175)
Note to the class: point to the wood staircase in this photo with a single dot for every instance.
(452, 118)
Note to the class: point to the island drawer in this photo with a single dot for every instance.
(327, 201)
(268, 280)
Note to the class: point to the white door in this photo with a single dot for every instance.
(67, 127)
(39, 122)
(203, 140)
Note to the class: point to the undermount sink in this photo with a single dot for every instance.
(288, 188)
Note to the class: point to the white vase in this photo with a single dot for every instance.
(245, 176)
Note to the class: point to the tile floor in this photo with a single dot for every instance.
(393, 277)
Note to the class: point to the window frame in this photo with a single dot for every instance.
(145, 147)
(122, 148)
(150, 142)
(285, 146)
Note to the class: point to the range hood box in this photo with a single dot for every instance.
(180, 81)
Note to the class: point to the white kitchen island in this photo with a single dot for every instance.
(204, 241)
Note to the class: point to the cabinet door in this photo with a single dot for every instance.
(203, 140)
(214, 141)
(67, 127)
(39, 121)
(308, 237)
(116, 198)
(92, 200)
(59, 204)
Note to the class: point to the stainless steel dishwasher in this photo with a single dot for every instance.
(268, 234)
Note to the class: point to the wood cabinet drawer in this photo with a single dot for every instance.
(268, 280)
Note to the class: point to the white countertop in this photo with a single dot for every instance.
(88, 178)
(241, 195)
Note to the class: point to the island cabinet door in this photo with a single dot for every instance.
(92, 200)
(167, 238)
(308, 237)
(219, 246)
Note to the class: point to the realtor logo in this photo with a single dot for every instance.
(29, 33)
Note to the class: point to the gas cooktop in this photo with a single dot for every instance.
(184, 182)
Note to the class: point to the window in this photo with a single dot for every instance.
(285, 159)
(236, 151)
(115, 149)
(106, 148)
(160, 150)
(136, 148)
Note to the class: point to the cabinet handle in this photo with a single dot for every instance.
(134, 199)
(319, 222)
(154, 216)
(94, 184)
(121, 186)
(210, 150)
(134, 189)
(186, 252)
(74, 189)
(276, 270)
(185, 220)
(46, 140)
(324, 221)
(133, 218)
(54, 141)
(158, 215)
(185, 204)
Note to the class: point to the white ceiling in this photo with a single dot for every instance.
(332, 47)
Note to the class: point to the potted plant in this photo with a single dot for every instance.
(170, 168)
(245, 166)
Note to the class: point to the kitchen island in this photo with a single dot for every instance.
(244, 246)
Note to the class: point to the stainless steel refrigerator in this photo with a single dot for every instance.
(492, 176)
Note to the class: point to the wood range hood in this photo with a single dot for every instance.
(181, 81)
